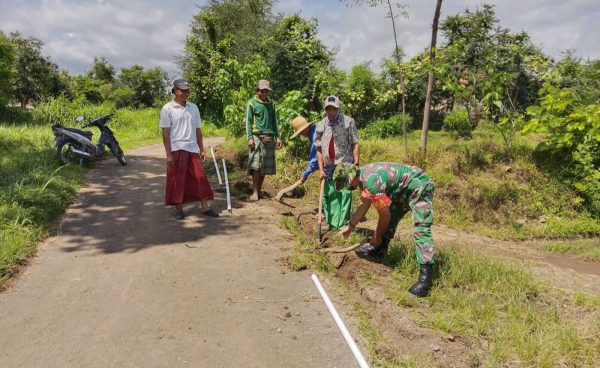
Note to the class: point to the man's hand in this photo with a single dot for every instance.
(302, 179)
(170, 159)
(345, 233)
(202, 155)
(251, 143)
(322, 175)
(279, 143)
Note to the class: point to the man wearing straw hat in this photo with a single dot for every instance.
(306, 129)
(263, 137)
(302, 127)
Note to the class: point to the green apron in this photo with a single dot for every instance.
(337, 205)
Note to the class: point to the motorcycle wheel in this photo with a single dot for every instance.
(118, 152)
(65, 153)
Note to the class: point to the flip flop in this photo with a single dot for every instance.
(210, 213)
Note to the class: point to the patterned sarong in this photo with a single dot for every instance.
(337, 205)
(262, 157)
(186, 180)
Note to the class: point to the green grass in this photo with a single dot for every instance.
(303, 254)
(34, 188)
(586, 249)
(478, 189)
(518, 320)
(373, 338)
(34, 191)
(514, 319)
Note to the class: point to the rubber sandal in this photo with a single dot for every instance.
(210, 213)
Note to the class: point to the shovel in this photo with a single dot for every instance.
(279, 195)
(320, 216)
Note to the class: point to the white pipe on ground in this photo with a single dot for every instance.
(227, 186)
(360, 359)
(212, 152)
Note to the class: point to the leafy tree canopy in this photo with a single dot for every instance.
(36, 75)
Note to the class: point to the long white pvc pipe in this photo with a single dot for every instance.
(360, 359)
(212, 152)
(227, 186)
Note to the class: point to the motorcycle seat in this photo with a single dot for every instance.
(84, 133)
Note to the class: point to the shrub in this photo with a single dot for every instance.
(62, 111)
(457, 121)
(391, 127)
(572, 135)
(122, 97)
(14, 115)
(292, 105)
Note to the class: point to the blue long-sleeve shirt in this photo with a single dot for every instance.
(313, 165)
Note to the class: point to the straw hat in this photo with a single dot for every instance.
(299, 124)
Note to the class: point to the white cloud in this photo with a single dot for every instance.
(151, 32)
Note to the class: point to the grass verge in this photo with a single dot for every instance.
(518, 320)
(586, 249)
(478, 189)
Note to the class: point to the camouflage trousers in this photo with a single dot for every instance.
(419, 202)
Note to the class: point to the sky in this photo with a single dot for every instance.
(152, 32)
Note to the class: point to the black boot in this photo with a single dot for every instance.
(422, 287)
(378, 252)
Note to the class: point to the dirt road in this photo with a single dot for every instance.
(127, 285)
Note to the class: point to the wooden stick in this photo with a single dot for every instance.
(344, 250)
(287, 190)
(320, 217)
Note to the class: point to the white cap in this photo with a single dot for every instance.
(263, 84)
(332, 101)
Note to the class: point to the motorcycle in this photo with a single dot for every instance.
(76, 145)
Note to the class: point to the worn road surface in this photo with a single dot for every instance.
(124, 284)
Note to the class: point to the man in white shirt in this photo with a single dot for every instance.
(186, 181)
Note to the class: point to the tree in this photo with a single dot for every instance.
(224, 33)
(432, 51)
(571, 133)
(244, 22)
(102, 70)
(397, 54)
(583, 77)
(150, 85)
(359, 94)
(87, 87)
(36, 75)
(7, 57)
(490, 70)
(294, 54)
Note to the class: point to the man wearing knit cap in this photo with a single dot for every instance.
(263, 137)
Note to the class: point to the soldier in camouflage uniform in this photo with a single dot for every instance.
(394, 189)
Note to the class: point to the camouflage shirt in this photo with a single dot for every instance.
(382, 182)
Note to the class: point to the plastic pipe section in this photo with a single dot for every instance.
(360, 359)
(212, 152)
(227, 186)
